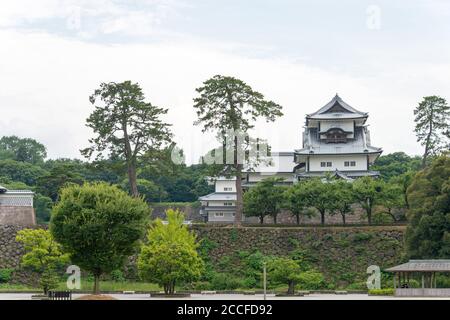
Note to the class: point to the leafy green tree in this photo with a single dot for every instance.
(170, 255)
(59, 176)
(99, 225)
(319, 194)
(428, 232)
(14, 185)
(432, 118)
(16, 171)
(175, 181)
(311, 280)
(125, 125)
(264, 199)
(295, 200)
(368, 193)
(344, 198)
(284, 271)
(107, 170)
(22, 149)
(43, 207)
(395, 164)
(404, 181)
(228, 104)
(393, 199)
(42, 254)
(148, 189)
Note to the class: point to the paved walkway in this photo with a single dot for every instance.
(27, 296)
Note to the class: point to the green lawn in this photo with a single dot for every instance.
(115, 286)
(87, 286)
(5, 287)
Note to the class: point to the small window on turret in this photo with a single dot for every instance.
(353, 163)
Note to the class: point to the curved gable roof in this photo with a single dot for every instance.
(337, 108)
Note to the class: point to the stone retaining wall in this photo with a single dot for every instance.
(341, 253)
(11, 253)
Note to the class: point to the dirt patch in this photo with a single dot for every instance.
(96, 297)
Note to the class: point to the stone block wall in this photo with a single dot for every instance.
(11, 253)
(190, 210)
(340, 253)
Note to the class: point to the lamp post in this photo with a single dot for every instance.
(264, 280)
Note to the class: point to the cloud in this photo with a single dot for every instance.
(46, 80)
(89, 19)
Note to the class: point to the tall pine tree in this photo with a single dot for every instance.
(227, 104)
(432, 118)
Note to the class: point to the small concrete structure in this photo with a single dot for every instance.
(16, 207)
(426, 270)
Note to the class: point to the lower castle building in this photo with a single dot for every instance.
(336, 141)
(16, 207)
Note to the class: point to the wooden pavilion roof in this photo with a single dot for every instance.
(439, 265)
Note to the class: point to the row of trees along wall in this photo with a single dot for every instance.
(342, 252)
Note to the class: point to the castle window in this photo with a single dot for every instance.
(336, 135)
(228, 203)
(329, 164)
(353, 163)
(218, 214)
(323, 164)
(227, 189)
(347, 164)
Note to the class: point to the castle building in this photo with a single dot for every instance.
(336, 141)
(16, 207)
(220, 206)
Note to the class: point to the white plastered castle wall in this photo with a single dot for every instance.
(338, 162)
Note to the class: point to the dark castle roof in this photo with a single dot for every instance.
(337, 109)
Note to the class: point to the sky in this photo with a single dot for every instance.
(381, 57)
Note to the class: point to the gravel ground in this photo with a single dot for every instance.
(27, 296)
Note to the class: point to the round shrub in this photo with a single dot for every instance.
(223, 281)
(117, 275)
(5, 275)
(311, 280)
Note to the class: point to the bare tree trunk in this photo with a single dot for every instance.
(96, 284)
(131, 163)
(298, 218)
(343, 218)
(132, 179)
(261, 219)
(425, 155)
(172, 287)
(406, 200)
(291, 287)
(427, 144)
(239, 204)
(322, 217)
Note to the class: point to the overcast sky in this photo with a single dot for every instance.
(381, 57)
